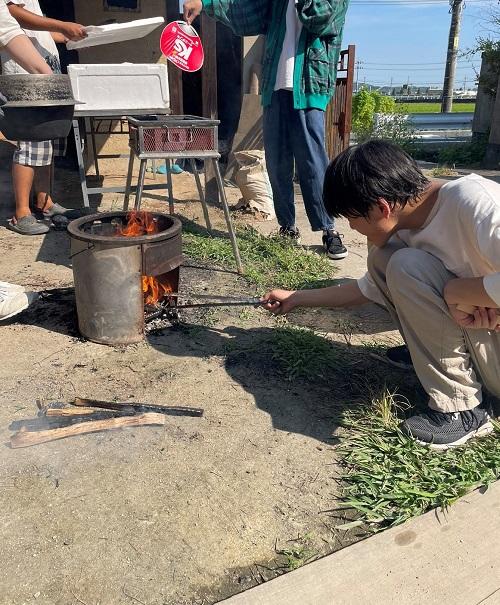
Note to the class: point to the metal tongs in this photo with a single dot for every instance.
(216, 301)
(167, 309)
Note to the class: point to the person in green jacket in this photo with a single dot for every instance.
(299, 68)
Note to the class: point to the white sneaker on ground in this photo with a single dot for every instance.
(5, 285)
(13, 302)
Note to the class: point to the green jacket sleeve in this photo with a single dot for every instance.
(244, 17)
(322, 17)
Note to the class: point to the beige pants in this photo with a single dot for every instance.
(453, 365)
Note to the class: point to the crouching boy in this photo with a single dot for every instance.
(435, 265)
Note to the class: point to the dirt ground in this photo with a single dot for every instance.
(183, 514)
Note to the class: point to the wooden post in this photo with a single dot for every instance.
(492, 156)
(209, 91)
(338, 115)
(485, 101)
(174, 73)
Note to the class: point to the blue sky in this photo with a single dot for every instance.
(391, 38)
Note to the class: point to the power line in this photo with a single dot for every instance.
(409, 2)
(406, 64)
(415, 68)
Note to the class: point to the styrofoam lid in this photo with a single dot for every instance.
(116, 32)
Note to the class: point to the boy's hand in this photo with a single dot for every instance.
(192, 8)
(73, 31)
(279, 301)
(477, 318)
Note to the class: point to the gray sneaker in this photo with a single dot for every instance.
(440, 430)
(27, 225)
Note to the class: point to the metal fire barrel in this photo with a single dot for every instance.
(108, 270)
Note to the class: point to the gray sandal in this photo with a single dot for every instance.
(27, 225)
(58, 210)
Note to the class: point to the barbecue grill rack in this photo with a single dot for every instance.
(163, 137)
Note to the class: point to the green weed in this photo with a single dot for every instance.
(294, 353)
(298, 553)
(268, 261)
(389, 478)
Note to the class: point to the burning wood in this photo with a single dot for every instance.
(25, 438)
(143, 223)
(139, 223)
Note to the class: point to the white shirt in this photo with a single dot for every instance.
(42, 41)
(9, 27)
(462, 231)
(286, 64)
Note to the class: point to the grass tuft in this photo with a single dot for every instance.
(294, 353)
(298, 553)
(268, 261)
(389, 478)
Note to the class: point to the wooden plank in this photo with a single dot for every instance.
(174, 73)
(28, 438)
(209, 91)
(209, 70)
(440, 558)
(338, 116)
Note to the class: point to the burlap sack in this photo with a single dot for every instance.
(253, 182)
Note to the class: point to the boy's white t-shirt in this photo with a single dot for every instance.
(286, 64)
(9, 27)
(42, 41)
(462, 231)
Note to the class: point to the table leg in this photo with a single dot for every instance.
(168, 166)
(129, 179)
(201, 193)
(81, 163)
(227, 214)
(140, 185)
(94, 147)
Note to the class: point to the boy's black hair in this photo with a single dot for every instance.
(362, 174)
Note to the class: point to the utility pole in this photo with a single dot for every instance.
(358, 63)
(451, 57)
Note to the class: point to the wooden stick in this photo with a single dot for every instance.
(28, 438)
(82, 411)
(141, 407)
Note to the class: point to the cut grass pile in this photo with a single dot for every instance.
(269, 262)
(436, 107)
(389, 478)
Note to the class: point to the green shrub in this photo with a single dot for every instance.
(464, 154)
(391, 124)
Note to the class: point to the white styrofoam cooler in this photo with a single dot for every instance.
(122, 86)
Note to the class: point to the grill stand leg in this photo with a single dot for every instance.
(81, 163)
(129, 179)
(168, 166)
(229, 222)
(201, 193)
(140, 185)
(94, 146)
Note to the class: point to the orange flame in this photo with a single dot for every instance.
(143, 223)
(154, 290)
(139, 223)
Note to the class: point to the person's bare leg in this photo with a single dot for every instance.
(43, 187)
(22, 181)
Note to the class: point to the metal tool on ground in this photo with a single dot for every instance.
(138, 407)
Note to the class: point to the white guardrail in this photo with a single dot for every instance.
(438, 127)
